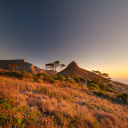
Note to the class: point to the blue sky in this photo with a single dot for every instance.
(94, 33)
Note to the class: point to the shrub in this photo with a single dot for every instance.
(15, 74)
(41, 74)
(83, 80)
(100, 93)
(93, 86)
(61, 78)
(46, 77)
(123, 96)
(26, 75)
(110, 90)
(72, 81)
(37, 79)
(102, 86)
(77, 79)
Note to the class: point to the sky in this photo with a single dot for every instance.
(94, 33)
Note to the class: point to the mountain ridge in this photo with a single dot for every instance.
(21, 66)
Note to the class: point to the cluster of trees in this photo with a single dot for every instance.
(102, 79)
(54, 65)
(104, 75)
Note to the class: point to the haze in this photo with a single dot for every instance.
(94, 33)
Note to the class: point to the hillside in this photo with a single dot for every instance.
(21, 66)
(38, 101)
(74, 70)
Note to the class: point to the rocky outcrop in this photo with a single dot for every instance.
(21, 66)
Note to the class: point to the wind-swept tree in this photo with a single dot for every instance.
(104, 77)
(97, 72)
(49, 66)
(53, 66)
(62, 66)
(98, 79)
(56, 64)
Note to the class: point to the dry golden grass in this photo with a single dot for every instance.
(43, 105)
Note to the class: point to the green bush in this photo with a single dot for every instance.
(110, 90)
(61, 78)
(102, 86)
(77, 79)
(123, 96)
(26, 75)
(93, 86)
(45, 77)
(100, 93)
(15, 74)
(35, 78)
(83, 80)
(41, 74)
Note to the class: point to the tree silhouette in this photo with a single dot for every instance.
(53, 66)
(56, 64)
(62, 66)
(97, 72)
(49, 66)
(103, 76)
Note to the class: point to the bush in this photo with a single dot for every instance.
(123, 96)
(41, 74)
(61, 78)
(100, 93)
(45, 77)
(26, 75)
(15, 74)
(83, 80)
(93, 86)
(38, 78)
(102, 86)
(77, 79)
(110, 90)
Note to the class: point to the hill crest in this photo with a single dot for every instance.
(21, 66)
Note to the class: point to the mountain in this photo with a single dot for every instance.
(74, 69)
(21, 66)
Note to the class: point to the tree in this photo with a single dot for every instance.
(62, 66)
(49, 66)
(104, 77)
(53, 66)
(56, 64)
(97, 79)
(97, 72)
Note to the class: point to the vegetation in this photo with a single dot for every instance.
(52, 101)
(54, 65)
(12, 66)
(93, 86)
(102, 78)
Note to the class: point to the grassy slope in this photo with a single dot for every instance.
(32, 104)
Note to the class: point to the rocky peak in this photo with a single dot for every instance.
(73, 64)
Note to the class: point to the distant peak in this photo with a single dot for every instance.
(73, 64)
